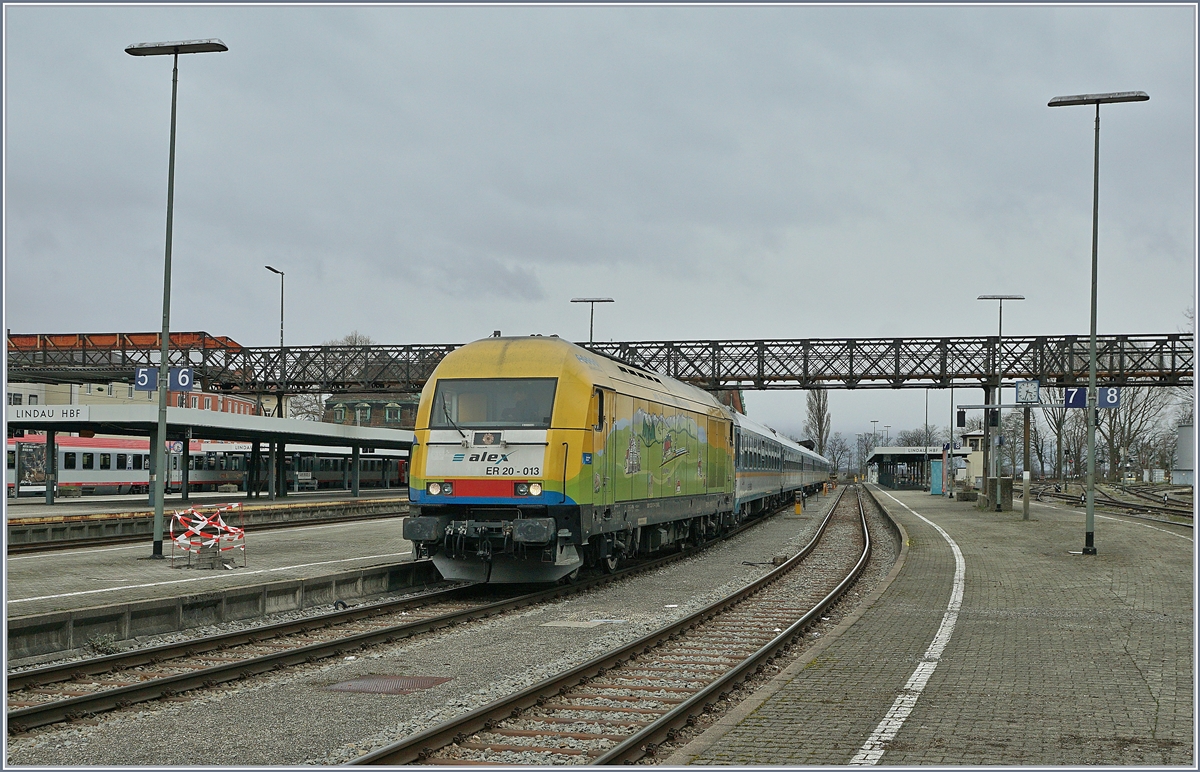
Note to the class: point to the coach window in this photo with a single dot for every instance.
(122, 460)
(137, 461)
(68, 460)
(106, 460)
(12, 459)
(89, 460)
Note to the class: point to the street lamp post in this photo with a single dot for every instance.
(282, 366)
(1089, 539)
(999, 375)
(159, 477)
(278, 475)
(593, 302)
(873, 440)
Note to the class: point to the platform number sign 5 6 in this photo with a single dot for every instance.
(1109, 396)
(179, 379)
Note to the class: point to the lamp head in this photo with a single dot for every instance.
(1099, 99)
(210, 45)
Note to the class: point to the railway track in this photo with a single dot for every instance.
(82, 689)
(619, 707)
(1132, 509)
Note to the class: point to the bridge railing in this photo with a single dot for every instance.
(862, 363)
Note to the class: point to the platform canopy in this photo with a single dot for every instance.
(190, 423)
(910, 454)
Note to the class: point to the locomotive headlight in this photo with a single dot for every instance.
(521, 489)
(535, 489)
(433, 488)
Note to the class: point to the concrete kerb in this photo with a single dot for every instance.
(733, 718)
(44, 636)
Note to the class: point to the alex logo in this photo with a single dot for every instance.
(490, 458)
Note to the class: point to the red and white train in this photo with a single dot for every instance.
(120, 465)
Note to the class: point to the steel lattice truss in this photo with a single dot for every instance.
(896, 363)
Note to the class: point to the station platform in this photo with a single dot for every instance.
(74, 579)
(1052, 658)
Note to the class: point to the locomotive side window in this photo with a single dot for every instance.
(68, 460)
(89, 460)
(106, 460)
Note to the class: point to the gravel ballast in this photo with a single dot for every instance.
(292, 717)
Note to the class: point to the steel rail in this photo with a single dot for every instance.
(424, 744)
(1108, 501)
(1142, 494)
(647, 740)
(27, 718)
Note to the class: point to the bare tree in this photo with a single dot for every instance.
(1056, 417)
(1074, 444)
(1142, 411)
(863, 447)
(353, 338)
(819, 420)
(311, 406)
(922, 437)
(838, 451)
(307, 407)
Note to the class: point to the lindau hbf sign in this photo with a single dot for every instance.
(49, 413)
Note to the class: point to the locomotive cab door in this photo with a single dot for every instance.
(603, 482)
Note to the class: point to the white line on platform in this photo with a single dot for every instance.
(873, 749)
(82, 551)
(202, 578)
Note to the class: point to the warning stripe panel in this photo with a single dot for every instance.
(501, 488)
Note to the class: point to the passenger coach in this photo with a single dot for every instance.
(534, 457)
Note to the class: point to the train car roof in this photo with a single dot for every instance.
(766, 431)
(550, 356)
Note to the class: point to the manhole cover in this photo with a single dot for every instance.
(388, 684)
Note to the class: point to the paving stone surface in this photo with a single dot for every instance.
(1056, 658)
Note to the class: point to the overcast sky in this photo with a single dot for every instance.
(432, 174)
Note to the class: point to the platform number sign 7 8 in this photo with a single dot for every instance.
(1109, 396)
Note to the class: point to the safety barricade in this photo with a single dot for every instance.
(208, 537)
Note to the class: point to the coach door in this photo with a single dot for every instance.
(603, 482)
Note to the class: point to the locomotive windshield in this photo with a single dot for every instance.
(492, 402)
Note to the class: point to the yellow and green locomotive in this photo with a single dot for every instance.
(534, 457)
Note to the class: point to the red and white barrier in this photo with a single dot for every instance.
(199, 530)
